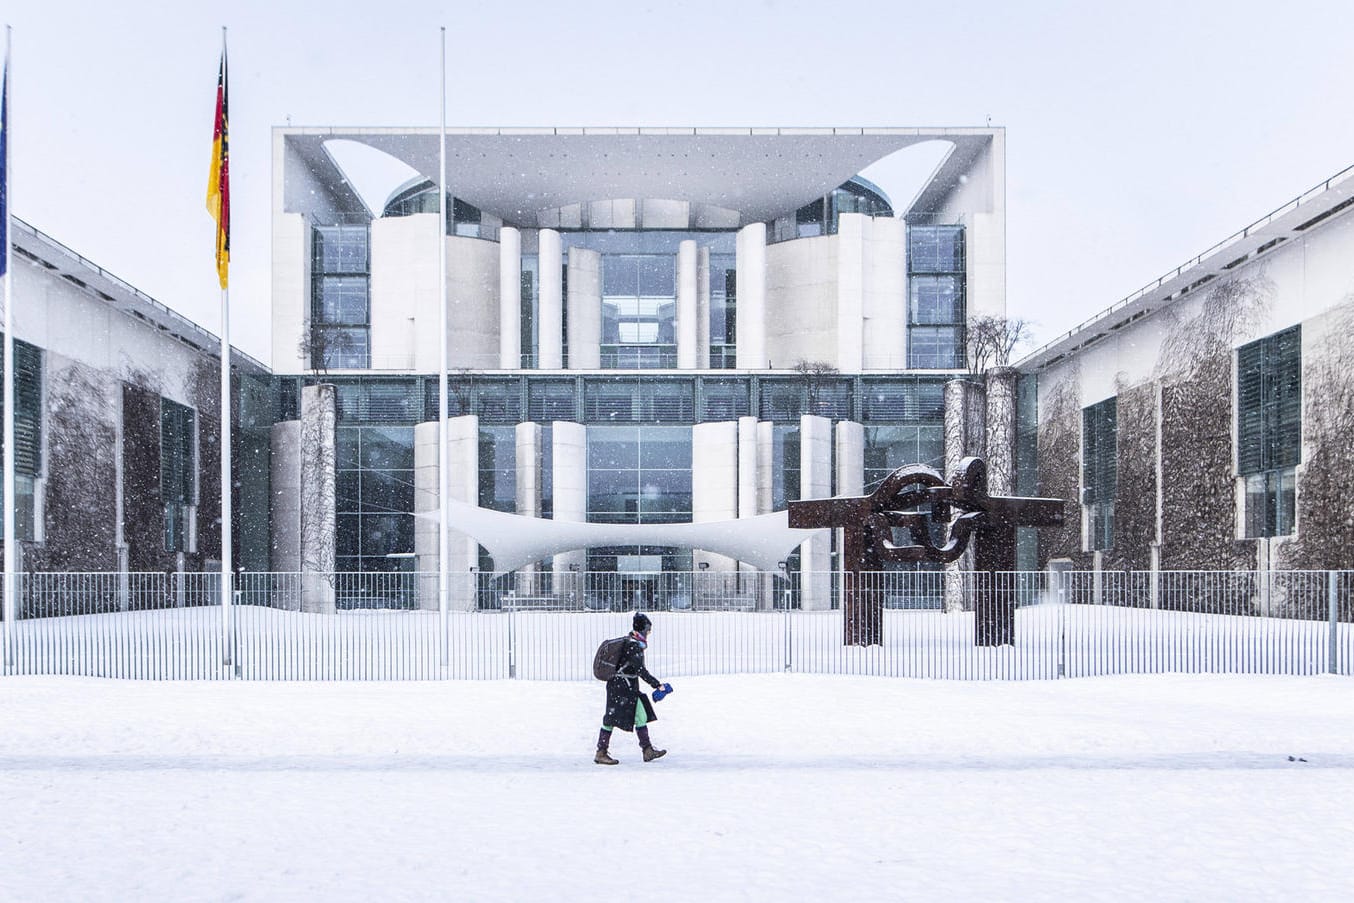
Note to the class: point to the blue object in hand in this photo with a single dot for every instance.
(661, 692)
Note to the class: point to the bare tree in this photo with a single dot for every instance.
(319, 346)
(816, 376)
(991, 340)
(461, 385)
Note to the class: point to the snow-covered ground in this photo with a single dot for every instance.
(776, 787)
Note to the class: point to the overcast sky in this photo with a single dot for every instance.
(1137, 134)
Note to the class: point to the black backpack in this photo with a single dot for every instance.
(608, 658)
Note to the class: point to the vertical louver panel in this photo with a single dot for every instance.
(1269, 403)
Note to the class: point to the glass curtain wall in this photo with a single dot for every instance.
(639, 295)
(339, 336)
(935, 265)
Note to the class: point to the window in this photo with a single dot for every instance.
(1269, 430)
(1099, 471)
(889, 447)
(619, 401)
(723, 312)
(639, 474)
(178, 474)
(936, 311)
(28, 371)
(639, 307)
(340, 309)
(374, 497)
(498, 468)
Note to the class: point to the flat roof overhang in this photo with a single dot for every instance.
(761, 173)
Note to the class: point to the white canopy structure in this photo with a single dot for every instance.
(515, 540)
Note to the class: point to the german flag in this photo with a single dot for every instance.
(218, 181)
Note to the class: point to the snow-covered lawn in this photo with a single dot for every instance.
(777, 787)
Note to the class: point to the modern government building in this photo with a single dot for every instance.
(649, 328)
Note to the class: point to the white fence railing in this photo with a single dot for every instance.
(544, 627)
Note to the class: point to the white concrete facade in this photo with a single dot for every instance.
(815, 482)
(463, 442)
(509, 298)
(569, 450)
(550, 316)
(752, 284)
(585, 309)
(688, 307)
(714, 482)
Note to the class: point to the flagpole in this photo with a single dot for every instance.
(226, 538)
(443, 458)
(8, 428)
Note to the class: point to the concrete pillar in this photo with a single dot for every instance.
(703, 309)
(999, 438)
(964, 432)
(285, 480)
(463, 458)
(529, 456)
(688, 331)
(754, 490)
(550, 311)
(509, 298)
(815, 482)
(585, 309)
(850, 442)
(964, 436)
(317, 479)
(569, 446)
(751, 263)
(714, 483)
(766, 448)
(850, 291)
(747, 467)
(850, 438)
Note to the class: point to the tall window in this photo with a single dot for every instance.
(178, 473)
(340, 311)
(27, 435)
(639, 307)
(1099, 471)
(639, 474)
(374, 497)
(1269, 430)
(935, 264)
(723, 312)
(498, 468)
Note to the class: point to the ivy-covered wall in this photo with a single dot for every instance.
(1325, 536)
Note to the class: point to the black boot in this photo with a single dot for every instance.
(647, 745)
(603, 741)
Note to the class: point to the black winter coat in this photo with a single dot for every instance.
(622, 691)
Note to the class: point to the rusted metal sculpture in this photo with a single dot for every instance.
(940, 519)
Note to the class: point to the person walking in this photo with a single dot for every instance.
(626, 706)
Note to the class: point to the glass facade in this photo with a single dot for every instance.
(821, 215)
(936, 308)
(638, 442)
(28, 438)
(889, 447)
(639, 295)
(374, 484)
(1099, 471)
(1269, 430)
(466, 219)
(340, 313)
(723, 312)
(178, 471)
(498, 468)
(639, 474)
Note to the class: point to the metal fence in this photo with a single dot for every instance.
(542, 626)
